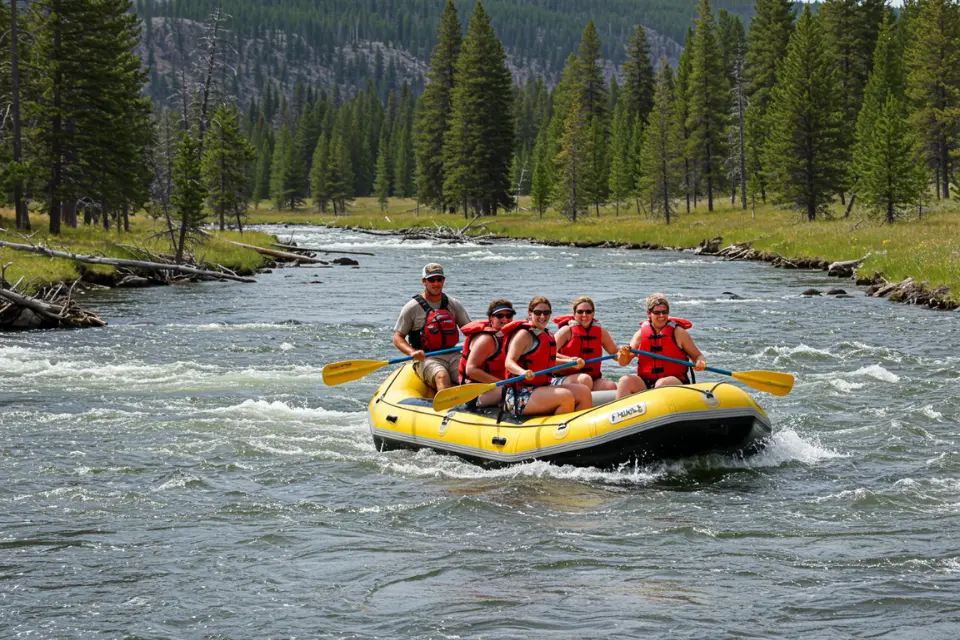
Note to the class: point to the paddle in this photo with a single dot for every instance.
(454, 396)
(779, 384)
(340, 372)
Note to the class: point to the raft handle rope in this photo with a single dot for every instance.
(707, 393)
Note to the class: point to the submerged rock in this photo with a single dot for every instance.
(811, 292)
(346, 261)
(836, 292)
(731, 295)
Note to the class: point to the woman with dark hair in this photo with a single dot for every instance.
(484, 351)
(530, 348)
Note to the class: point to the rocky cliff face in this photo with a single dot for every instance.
(177, 51)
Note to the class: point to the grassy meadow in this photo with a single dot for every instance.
(39, 271)
(927, 249)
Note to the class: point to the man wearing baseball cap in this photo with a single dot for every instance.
(431, 321)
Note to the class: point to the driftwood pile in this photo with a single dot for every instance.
(50, 309)
(440, 234)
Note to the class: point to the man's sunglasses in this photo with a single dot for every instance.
(541, 312)
(436, 279)
(505, 315)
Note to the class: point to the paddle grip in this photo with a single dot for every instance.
(565, 365)
(426, 355)
(686, 363)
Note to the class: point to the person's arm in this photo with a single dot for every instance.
(606, 340)
(519, 343)
(459, 313)
(625, 355)
(402, 329)
(481, 348)
(400, 342)
(687, 345)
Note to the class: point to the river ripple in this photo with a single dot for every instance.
(184, 473)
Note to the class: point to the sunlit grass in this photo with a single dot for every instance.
(927, 249)
(145, 233)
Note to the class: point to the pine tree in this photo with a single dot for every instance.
(340, 179)
(381, 185)
(434, 118)
(767, 41)
(478, 148)
(573, 162)
(226, 166)
(283, 151)
(638, 76)
(320, 173)
(886, 80)
(403, 161)
(660, 159)
(188, 190)
(621, 160)
(891, 178)
(261, 187)
(682, 90)
(805, 153)
(541, 187)
(591, 92)
(932, 60)
(598, 170)
(708, 101)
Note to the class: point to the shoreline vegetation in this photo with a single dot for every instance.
(924, 254)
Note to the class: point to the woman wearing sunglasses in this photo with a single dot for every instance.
(484, 352)
(530, 348)
(660, 334)
(581, 336)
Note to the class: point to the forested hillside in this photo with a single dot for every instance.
(347, 42)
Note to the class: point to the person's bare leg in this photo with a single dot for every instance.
(581, 396)
(549, 400)
(442, 380)
(629, 385)
(602, 384)
(669, 381)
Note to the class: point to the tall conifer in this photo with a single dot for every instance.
(434, 118)
(805, 152)
(638, 77)
(573, 162)
(660, 158)
(621, 158)
(708, 101)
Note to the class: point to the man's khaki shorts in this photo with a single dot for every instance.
(429, 368)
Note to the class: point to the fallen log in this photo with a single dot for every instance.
(55, 315)
(845, 268)
(119, 262)
(290, 247)
(282, 255)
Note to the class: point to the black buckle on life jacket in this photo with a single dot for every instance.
(657, 370)
(588, 350)
(656, 348)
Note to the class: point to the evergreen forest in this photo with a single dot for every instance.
(848, 102)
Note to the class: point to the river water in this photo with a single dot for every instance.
(184, 473)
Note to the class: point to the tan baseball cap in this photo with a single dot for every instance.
(431, 270)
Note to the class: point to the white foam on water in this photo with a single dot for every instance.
(800, 349)
(265, 409)
(877, 372)
(243, 326)
(286, 346)
(930, 413)
(698, 303)
(951, 565)
(845, 386)
(787, 445)
(847, 496)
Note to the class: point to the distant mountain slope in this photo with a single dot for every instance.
(346, 42)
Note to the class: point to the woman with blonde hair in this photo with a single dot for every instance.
(662, 335)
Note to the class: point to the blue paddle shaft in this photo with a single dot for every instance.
(565, 365)
(426, 355)
(683, 362)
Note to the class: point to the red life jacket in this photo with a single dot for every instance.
(440, 328)
(542, 355)
(494, 365)
(583, 343)
(663, 343)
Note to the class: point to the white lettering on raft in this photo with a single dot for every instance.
(628, 412)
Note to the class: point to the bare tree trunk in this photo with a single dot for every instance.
(853, 198)
(20, 206)
(126, 217)
(743, 162)
(105, 212)
(211, 65)
(69, 208)
(56, 132)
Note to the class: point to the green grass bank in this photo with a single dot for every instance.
(926, 250)
(40, 271)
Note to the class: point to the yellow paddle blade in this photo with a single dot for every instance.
(779, 384)
(453, 396)
(340, 372)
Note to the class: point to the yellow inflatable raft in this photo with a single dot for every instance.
(715, 417)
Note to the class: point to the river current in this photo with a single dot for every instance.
(184, 473)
